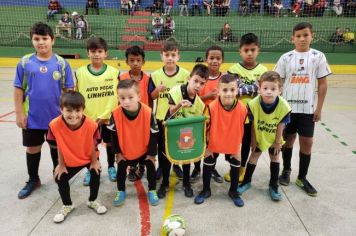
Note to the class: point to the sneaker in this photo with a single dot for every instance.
(227, 177)
(162, 191)
(194, 177)
(202, 196)
(188, 191)
(152, 197)
(30, 186)
(60, 217)
(112, 174)
(178, 171)
(158, 173)
(235, 196)
(132, 174)
(216, 176)
(242, 174)
(97, 207)
(284, 178)
(86, 180)
(243, 187)
(307, 187)
(275, 195)
(119, 198)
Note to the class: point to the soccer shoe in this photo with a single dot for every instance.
(243, 187)
(162, 191)
(158, 173)
(30, 186)
(202, 196)
(152, 197)
(227, 177)
(235, 197)
(242, 174)
(307, 187)
(86, 180)
(112, 174)
(284, 178)
(178, 171)
(188, 191)
(275, 195)
(97, 207)
(60, 217)
(119, 198)
(194, 177)
(216, 176)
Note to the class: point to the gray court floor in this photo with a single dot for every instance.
(332, 172)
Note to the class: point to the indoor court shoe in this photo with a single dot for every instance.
(86, 180)
(242, 174)
(307, 187)
(188, 191)
(275, 195)
(235, 197)
(178, 171)
(112, 174)
(158, 173)
(243, 187)
(152, 197)
(227, 177)
(97, 207)
(162, 191)
(216, 176)
(60, 217)
(194, 177)
(284, 178)
(202, 196)
(119, 198)
(30, 186)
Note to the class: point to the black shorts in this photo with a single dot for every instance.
(302, 124)
(105, 134)
(35, 137)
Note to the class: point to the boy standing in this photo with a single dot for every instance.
(97, 82)
(40, 79)
(301, 69)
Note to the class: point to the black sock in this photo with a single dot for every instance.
(249, 172)
(304, 161)
(111, 156)
(54, 156)
(197, 166)
(287, 157)
(274, 168)
(234, 174)
(33, 162)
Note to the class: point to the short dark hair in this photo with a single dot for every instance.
(200, 70)
(127, 84)
(302, 25)
(212, 48)
(136, 51)
(249, 38)
(271, 76)
(72, 99)
(41, 28)
(170, 45)
(228, 78)
(97, 43)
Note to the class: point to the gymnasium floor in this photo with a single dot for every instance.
(332, 172)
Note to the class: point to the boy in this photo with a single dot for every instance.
(226, 117)
(134, 138)
(40, 79)
(268, 114)
(161, 81)
(249, 71)
(97, 82)
(76, 137)
(135, 58)
(301, 69)
(184, 102)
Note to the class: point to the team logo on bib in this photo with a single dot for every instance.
(43, 69)
(56, 75)
(186, 139)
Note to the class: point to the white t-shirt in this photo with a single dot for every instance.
(300, 71)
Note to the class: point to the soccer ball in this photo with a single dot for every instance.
(174, 225)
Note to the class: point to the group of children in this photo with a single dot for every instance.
(244, 109)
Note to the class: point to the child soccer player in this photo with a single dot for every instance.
(40, 79)
(268, 113)
(249, 71)
(214, 57)
(134, 138)
(97, 82)
(161, 81)
(226, 117)
(301, 69)
(76, 137)
(135, 58)
(184, 102)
